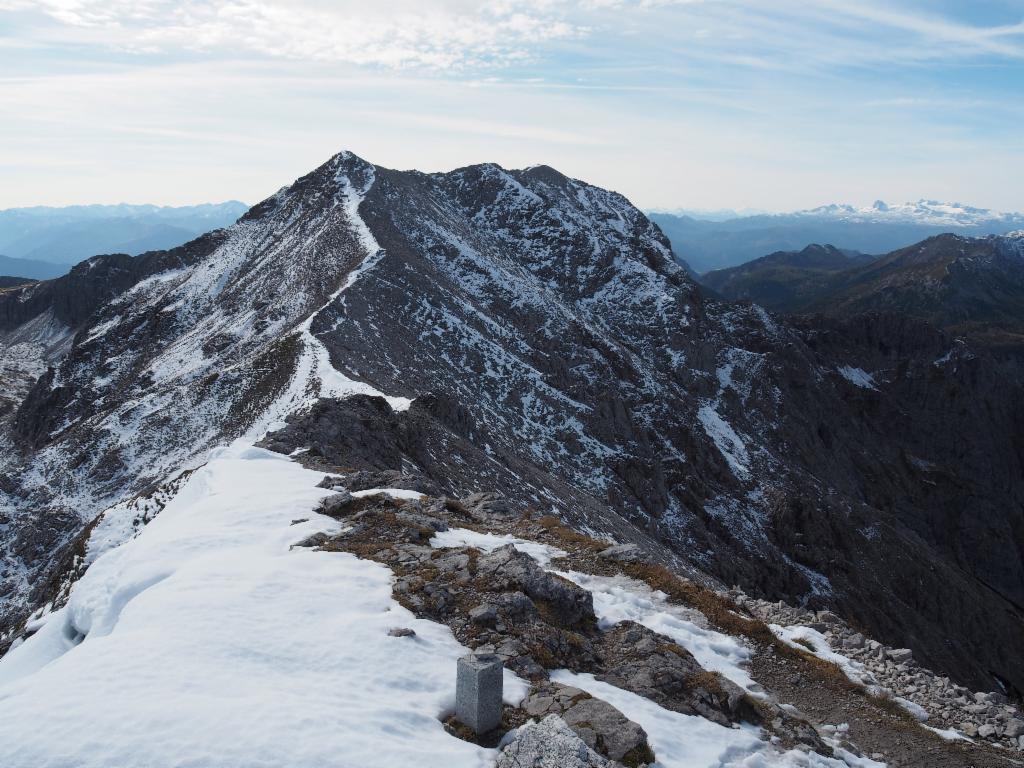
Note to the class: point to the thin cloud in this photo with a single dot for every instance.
(704, 103)
(442, 36)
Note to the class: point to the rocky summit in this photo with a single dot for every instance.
(529, 345)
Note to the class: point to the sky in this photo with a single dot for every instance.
(701, 104)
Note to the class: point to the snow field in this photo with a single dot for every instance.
(206, 640)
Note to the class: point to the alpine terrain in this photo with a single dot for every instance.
(258, 492)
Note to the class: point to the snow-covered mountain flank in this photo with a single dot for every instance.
(521, 356)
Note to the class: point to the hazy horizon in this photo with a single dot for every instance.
(699, 104)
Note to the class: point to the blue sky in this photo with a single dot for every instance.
(770, 104)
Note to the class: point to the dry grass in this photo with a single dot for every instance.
(708, 681)
(641, 755)
(572, 539)
(719, 610)
(456, 506)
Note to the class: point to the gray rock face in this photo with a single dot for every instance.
(548, 744)
(337, 504)
(508, 567)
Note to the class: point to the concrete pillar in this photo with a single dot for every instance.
(478, 692)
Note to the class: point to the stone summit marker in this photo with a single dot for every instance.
(478, 692)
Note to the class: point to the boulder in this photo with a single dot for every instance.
(336, 505)
(1014, 728)
(856, 640)
(508, 569)
(601, 726)
(548, 744)
(900, 655)
(623, 553)
(483, 614)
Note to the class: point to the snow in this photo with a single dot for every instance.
(726, 440)
(488, 542)
(685, 741)
(949, 734)
(916, 710)
(206, 640)
(854, 670)
(857, 376)
(394, 493)
(922, 212)
(620, 598)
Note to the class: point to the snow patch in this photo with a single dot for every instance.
(488, 542)
(857, 376)
(394, 493)
(949, 734)
(726, 440)
(821, 648)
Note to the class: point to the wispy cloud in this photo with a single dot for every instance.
(701, 103)
(442, 35)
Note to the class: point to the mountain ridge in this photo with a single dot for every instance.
(548, 319)
(967, 286)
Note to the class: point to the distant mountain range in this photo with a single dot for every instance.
(43, 242)
(880, 228)
(969, 286)
(30, 269)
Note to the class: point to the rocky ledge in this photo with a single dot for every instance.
(505, 598)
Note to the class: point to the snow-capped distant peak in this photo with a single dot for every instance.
(927, 212)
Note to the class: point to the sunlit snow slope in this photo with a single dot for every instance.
(208, 641)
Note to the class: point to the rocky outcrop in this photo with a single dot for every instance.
(602, 727)
(549, 743)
